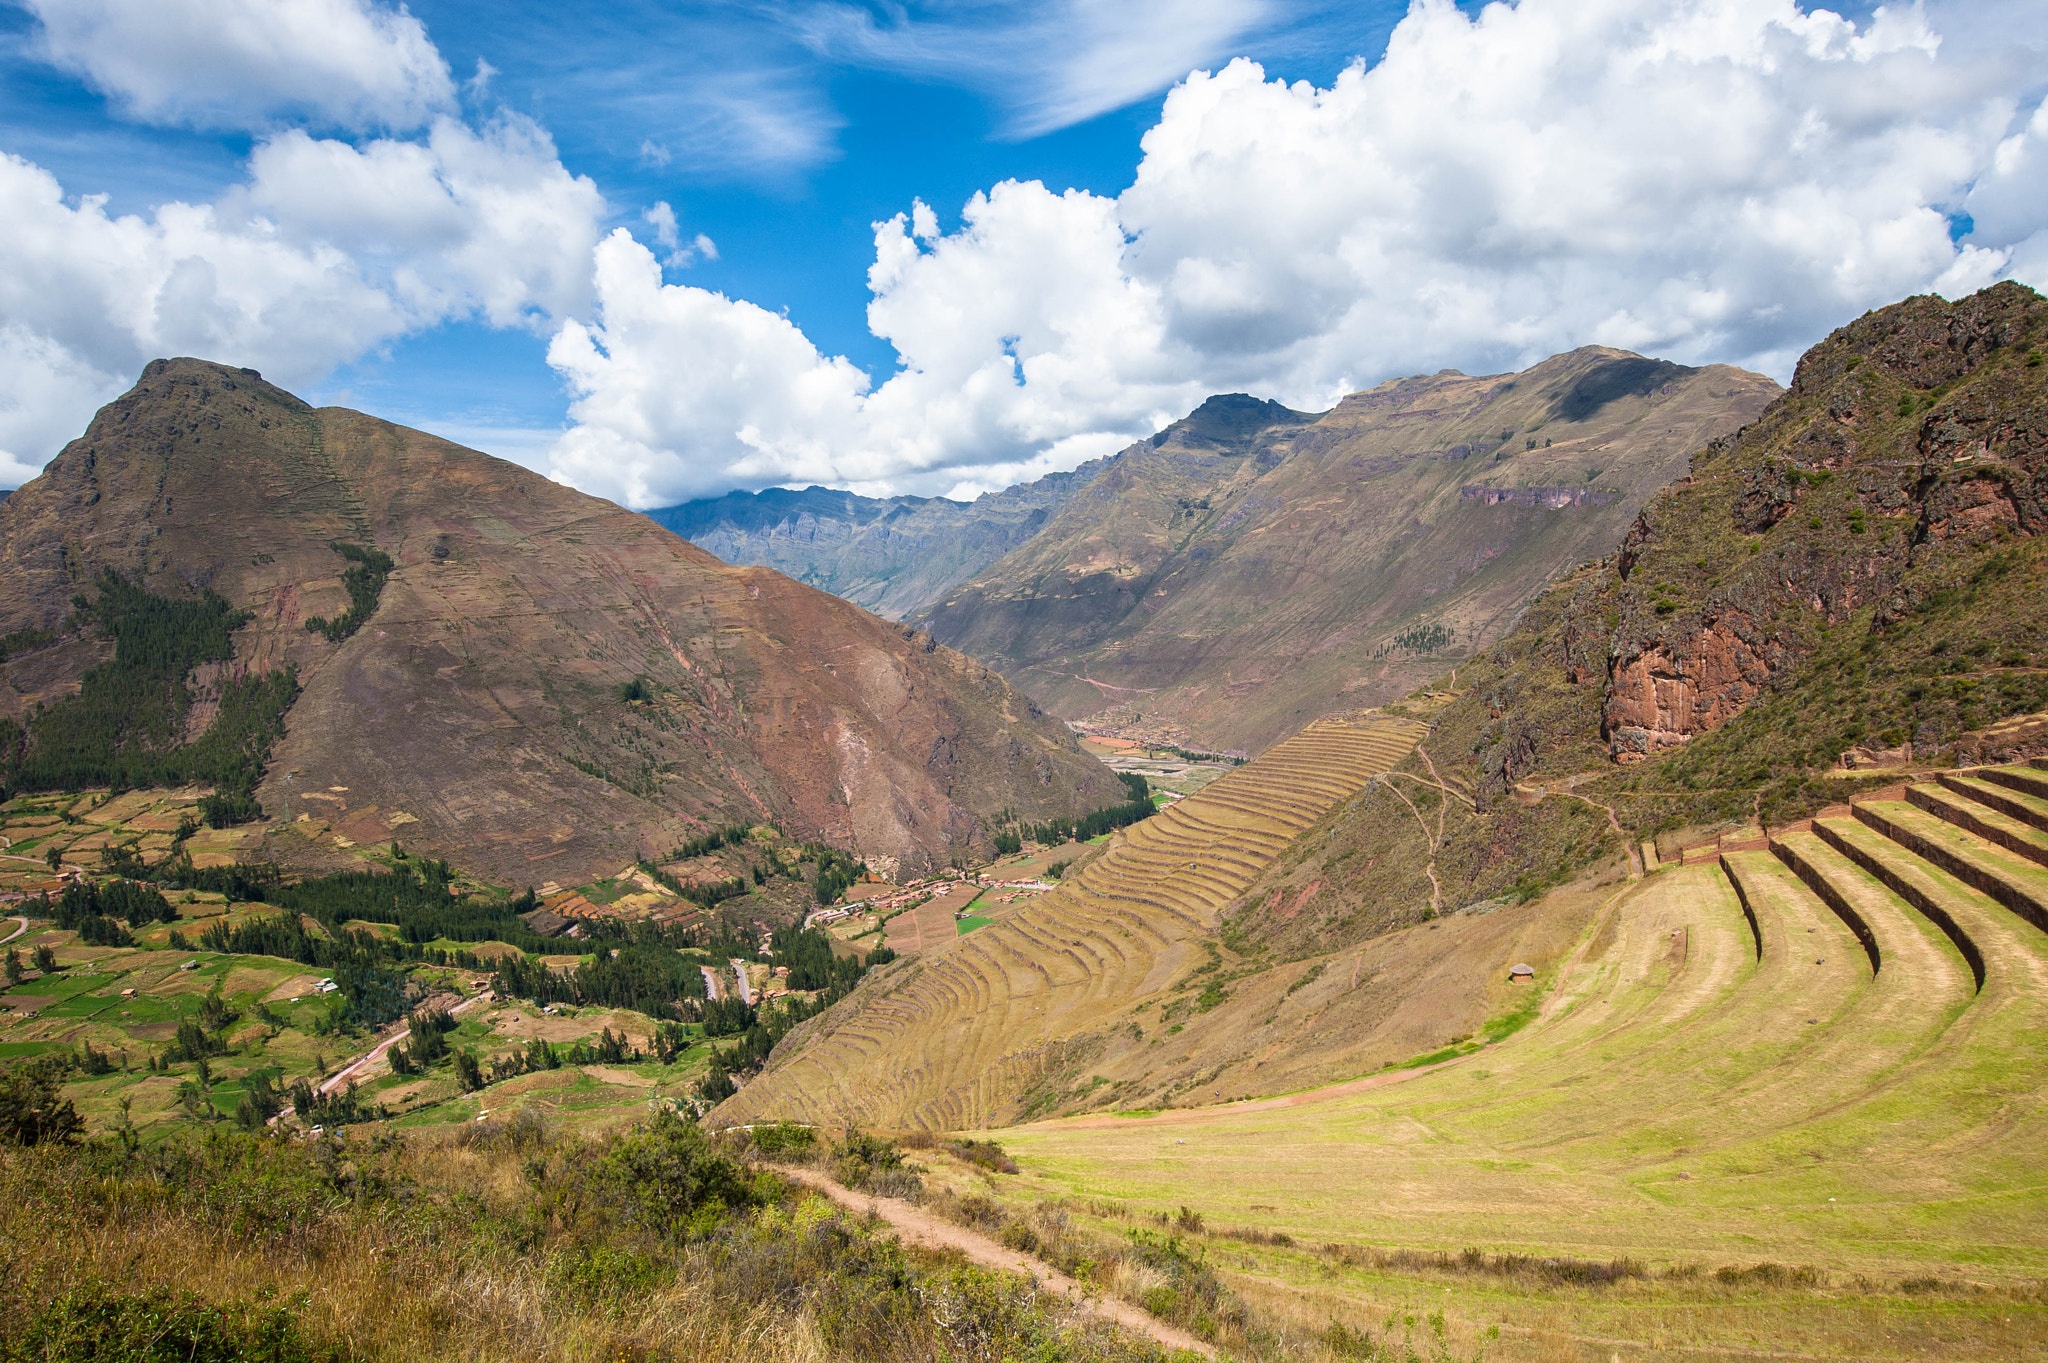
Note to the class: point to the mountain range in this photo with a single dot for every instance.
(1251, 568)
(532, 681)
(1854, 579)
(890, 555)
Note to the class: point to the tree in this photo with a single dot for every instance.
(46, 960)
(31, 1110)
(261, 1100)
(14, 968)
(467, 1072)
(718, 1085)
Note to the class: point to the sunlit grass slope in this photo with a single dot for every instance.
(1828, 1053)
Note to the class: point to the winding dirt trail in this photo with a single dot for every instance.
(17, 932)
(919, 1227)
(375, 1053)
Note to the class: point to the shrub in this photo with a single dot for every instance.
(783, 1138)
(987, 1154)
(32, 1112)
(665, 1178)
(161, 1326)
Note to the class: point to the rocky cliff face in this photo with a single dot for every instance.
(1858, 576)
(481, 704)
(1251, 568)
(1904, 432)
(892, 556)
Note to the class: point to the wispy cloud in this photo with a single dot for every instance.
(1051, 65)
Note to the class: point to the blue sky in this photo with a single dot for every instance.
(784, 166)
(1293, 230)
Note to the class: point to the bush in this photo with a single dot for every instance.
(32, 1112)
(783, 1138)
(664, 1178)
(160, 1326)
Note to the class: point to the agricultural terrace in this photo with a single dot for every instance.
(956, 1035)
(1828, 1052)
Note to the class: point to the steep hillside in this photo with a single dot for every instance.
(893, 555)
(1251, 567)
(1857, 581)
(1050, 1006)
(531, 681)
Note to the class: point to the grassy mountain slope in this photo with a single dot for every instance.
(1859, 572)
(890, 555)
(1250, 567)
(480, 690)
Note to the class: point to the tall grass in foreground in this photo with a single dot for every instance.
(511, 1241)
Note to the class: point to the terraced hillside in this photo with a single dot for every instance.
(1828, 1051)
(961, 1036)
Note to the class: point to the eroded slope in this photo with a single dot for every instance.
(482, 699)
(1858, 580)
(1251, 568)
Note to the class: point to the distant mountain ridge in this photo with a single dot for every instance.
(1251, 568)
(889, 555)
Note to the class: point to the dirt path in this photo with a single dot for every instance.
(374, 1054)
(17, 932)
(1540, 789)
(710, 983)
(918, 1227)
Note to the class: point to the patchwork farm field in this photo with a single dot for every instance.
(1791, 1102)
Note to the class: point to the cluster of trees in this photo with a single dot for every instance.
(1106, 820)
(25, 641)
(750, 1052)
(808, 954)
(96, 912)
(201, 1037)
(426, 1041)
(837, 871)
(647, 977)
(123, 729)
(365, 583)
(712, 841)
(417, 898)
(337, 1108)
(604, 1049)
(45, 961)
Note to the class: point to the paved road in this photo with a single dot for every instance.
(739, 969)
(922, 1228)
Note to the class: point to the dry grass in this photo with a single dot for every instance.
(1001, 1021)
(516, 1244)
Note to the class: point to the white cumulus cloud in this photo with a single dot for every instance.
(1715, 180)
(249, 63)
(325, 252)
